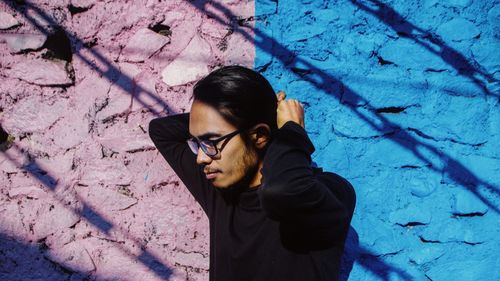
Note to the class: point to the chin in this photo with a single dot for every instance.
(221, 185)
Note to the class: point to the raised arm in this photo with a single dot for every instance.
(309, 202)
(169, 134)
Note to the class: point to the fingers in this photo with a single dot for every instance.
(291, 104)
(281, 96)
(290, 110)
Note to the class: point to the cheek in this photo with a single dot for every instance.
(244, 165)
(234, 166)
(239, 163)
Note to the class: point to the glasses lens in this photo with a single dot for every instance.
(193, 145)
(208, 148)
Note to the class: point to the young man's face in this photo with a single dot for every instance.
(235, 162)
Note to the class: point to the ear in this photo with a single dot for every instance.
(261, 134)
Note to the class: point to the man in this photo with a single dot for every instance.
(243, 153)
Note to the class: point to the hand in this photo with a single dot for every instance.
(289, 110)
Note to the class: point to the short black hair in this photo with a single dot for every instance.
(243, 96)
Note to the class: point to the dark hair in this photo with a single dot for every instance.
(242, 96)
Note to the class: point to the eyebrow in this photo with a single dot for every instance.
(208, 135)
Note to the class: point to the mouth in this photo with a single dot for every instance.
(211, 174)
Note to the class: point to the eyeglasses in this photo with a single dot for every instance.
(209, 147)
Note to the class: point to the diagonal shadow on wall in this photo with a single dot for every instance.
(353, 252)
(36, 263)
(330, 85)
(452, 57)
(52, 184)
(34, 260)
(321, 80)
(108, 71)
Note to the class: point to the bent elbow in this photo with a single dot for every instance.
(281, 200)
(152, 127)
(273, 201)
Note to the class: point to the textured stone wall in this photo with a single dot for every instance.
(83, 192)
(402, 98)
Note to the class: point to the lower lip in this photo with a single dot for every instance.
(212, 175)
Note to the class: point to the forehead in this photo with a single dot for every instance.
(206, 121)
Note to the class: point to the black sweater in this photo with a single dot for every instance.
(291, 227)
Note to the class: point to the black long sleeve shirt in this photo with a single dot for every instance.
(291, 227)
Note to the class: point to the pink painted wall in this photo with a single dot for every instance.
(83, 191)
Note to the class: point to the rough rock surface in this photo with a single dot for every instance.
(7, 20)
(402, 99)
(143, 45)
(42, 72)
(190, 65)
(23, 42)
(84, 195)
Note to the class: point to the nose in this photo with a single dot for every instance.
(202, 158)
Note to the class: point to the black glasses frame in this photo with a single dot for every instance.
(195, 143)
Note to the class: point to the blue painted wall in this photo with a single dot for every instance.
(402, 99)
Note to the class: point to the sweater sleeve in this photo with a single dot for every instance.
(169, 135)
(312, 204)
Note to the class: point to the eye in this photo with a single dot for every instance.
(193, 145)
(206, 142)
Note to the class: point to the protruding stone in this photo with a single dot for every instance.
(380, 238)
(24, 42)
(422, 188)
(208, 28)
(106, 171)
(83, 4)
(455, 117)
(458, 29)
(388, 244)
(72, 256)
(69, 132)
(457, 3)
(51, 216)
(90, 94)
(105, 200)
(25, 117)
(121, 93)
(453, 231)
(487, 54)
(424, 255)
(410, 215)
(123, 138)
(143, 45)
(482, 269)
(42, 72)
(236, 53)
(300, 31)
(7, 21)
(27, 191)
(494, 19)
(11, 160)
(146, 96)
(397, 52)
(191, 64)
(12, 222)
(466, 203)
(191, 259)
(457, 85)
